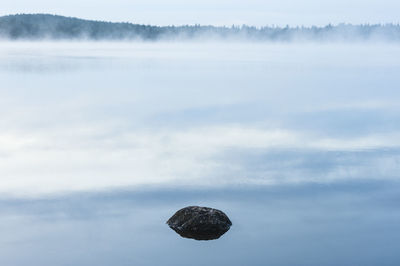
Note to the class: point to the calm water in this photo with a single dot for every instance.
(100, 143)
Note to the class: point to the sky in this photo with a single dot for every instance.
(222, 12)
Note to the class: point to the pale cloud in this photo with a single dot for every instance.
(68, 159)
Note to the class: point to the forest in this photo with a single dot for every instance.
(53, 27)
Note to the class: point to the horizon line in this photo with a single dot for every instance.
(211, 25)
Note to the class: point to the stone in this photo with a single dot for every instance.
(200, 223)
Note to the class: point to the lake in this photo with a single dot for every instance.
(298, 143)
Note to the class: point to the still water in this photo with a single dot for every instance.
(100, 143)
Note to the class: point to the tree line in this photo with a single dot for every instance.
(45, 26)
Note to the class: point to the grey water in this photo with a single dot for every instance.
(298, 143)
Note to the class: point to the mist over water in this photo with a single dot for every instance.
(101, 142)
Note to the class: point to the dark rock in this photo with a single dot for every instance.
(200, 223)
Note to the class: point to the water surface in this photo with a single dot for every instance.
(100, 143)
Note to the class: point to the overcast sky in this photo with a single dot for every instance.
(221, 12)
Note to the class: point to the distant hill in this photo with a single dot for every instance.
(45, 26)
